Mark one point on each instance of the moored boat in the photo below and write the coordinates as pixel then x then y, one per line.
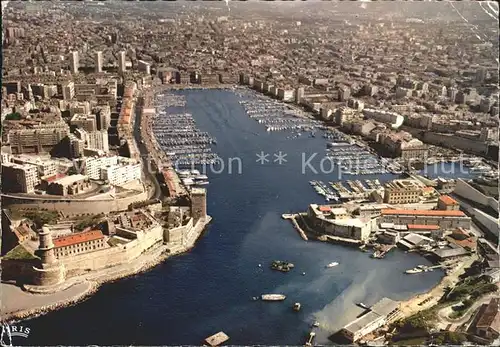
pixel 333 264
pixel 273 297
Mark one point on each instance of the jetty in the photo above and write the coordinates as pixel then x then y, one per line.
pixel 293 217
pixel 217 339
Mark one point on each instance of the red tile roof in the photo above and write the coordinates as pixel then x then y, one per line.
pixel 423 227
pixel 78 238
pixel 490 317
pixel 447 200
pixel 424 213
pixel 54 177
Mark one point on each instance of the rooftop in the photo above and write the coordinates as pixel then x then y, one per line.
pixel 67 180
pixel 78 238
pixel 436 213
pixel 491 316
pixel 447 200
pixel 385 306
pixel 422 227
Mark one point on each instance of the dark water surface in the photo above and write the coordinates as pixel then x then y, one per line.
pixel 209 289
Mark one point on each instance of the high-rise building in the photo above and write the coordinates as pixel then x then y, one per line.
pixel 45 167
pixel 121 62
pixel 18 178
pixel 98 140
pixel 74 62
pixel 85 122
pixel 76 146
pixel 144 66
pixel 103 117
pixel 68 90
pixel 299 95
pixel 79 107
pixel 481 75
pixel 452 93
pixel 98 62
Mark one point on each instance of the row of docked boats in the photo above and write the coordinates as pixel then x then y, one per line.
pixel 192 178
pixel 352 158
pixel 172 100
pixel 322 189
pixel 276 116
pixel 180 139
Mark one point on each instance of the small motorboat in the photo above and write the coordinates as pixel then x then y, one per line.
pixel 273 297
pixel 333 264
pixel 360 304
pixel 315 324
pixel 296 306
pixel 303 274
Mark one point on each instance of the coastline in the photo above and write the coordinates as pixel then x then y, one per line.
pixel 93 282
pixel 411 306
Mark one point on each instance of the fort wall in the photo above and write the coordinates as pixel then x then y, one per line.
pixel 75 207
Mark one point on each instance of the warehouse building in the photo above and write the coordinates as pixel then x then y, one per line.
pixel 444 219
pixel 383 312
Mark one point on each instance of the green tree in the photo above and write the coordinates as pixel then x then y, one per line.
pixel 13 116
pixel 467 303
pixel 454 338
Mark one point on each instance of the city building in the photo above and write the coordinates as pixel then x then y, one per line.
pixel 6 154
pixel 39 139
pixel 383 312
pixel 446 220
pixel 144 67
pixel 81 107
pixel 394 119
pixel 103 117
pixel 68 90
pixel 344 114
pixel 447 203
pixel 121 174
pixel 98 140
pixel 121 62
pixel 77 243
pixel 74 62
pixel 43 91
pixel 402 192
pixel 98 62
pixel 44 166
pixel 69 185
pixel 86 122
pixel 486 323
pixel 17 178
pixel 116 170
pixel 413 149
pixel 75 146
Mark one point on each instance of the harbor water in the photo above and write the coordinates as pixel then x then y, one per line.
pixel 210 289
